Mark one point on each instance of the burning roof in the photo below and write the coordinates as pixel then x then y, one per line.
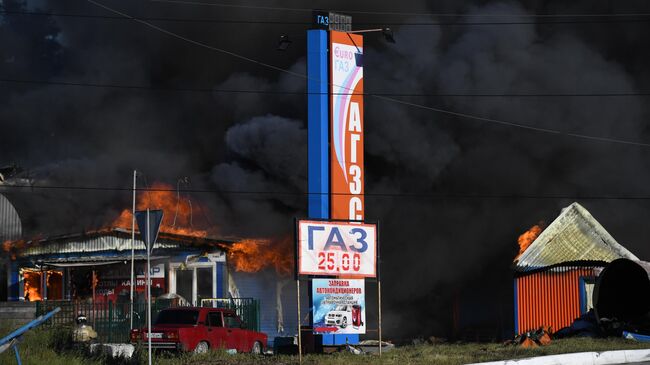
pixel 110 239
pixel 180 230
pixel 573 236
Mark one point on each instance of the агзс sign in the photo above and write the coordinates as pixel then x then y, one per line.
pixel 346 127
pixel 337 249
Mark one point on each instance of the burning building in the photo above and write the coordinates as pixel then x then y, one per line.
pixel 188 259
pixel 556 269
pixel 71 266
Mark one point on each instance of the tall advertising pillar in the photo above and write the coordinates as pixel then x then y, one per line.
pixel 335 135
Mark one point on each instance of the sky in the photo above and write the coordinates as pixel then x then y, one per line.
pixel 86 97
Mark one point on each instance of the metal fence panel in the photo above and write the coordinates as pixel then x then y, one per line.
pixel 111 320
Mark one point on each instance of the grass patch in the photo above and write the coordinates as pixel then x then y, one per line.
pixel 54 347
pixel 45 346
pixel 444 354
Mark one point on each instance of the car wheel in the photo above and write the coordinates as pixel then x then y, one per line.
pixel 201 348
pixel 257 348
pixel 344 322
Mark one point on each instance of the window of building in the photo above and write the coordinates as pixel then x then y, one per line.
pixel 193 282
pixel 183 283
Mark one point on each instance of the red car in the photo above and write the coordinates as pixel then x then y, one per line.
pixel 199 329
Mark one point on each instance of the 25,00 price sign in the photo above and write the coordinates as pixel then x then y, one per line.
pixel 337 249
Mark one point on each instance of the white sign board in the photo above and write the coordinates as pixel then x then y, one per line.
pixel 337 249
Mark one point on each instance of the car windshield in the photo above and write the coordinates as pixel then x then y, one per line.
pixel 178 317
pixel 341 308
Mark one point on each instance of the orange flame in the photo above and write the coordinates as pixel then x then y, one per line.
pixel 32 280
pixel 254 255
pixel 528 237
pixel 180 213
pixel 12 247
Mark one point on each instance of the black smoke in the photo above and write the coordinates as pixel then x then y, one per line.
pixel 451 194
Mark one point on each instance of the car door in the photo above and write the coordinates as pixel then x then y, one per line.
pixel 217 333
pixel 236 336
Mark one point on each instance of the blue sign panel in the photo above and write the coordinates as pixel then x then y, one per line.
pixel 149 235
pixel 317 124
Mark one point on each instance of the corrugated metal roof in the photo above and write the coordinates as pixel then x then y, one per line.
pixel 116 239
pixel 10 225
pixel 574 236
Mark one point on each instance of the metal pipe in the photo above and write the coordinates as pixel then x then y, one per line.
pixel 148 285
pixel 132 247
pixel 622 291
pixel 299 326
pixel 367 30
pixel 379 300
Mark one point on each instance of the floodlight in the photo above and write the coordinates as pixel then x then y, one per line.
pixel 284 43
pixel 388 35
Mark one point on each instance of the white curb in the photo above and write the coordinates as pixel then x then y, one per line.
pixel 580 358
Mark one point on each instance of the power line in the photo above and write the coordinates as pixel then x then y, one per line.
pixel 184 20
pixel 284 92
pixel 516 125
pixel 284 23
pixel 419 106
pixel 197 43
pixel 309 10
pixel 30 188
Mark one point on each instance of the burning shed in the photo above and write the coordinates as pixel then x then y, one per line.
pixel 556 269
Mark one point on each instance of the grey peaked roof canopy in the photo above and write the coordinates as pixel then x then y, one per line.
pixel 573 236
pixel 90 246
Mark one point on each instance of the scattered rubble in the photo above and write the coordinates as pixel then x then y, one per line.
pixel 532 339
pixel 369 347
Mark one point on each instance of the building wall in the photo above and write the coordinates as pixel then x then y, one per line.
pixel 277 299
pixel 10 229
pixel 550 298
